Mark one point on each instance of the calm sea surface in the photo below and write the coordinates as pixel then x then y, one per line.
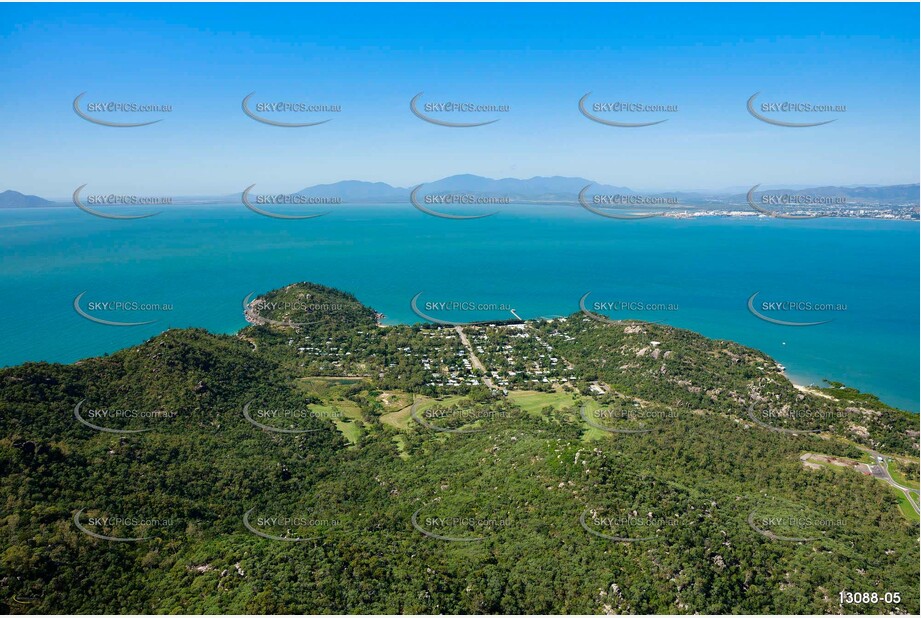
pixel 198 263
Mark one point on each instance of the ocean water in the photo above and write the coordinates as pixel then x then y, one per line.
pixel 539 260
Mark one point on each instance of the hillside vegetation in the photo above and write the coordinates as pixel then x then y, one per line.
pixel 320 463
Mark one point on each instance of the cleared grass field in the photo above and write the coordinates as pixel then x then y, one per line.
pixel 326 386
pixel 533 402
pixel 344 414
pixel 402 419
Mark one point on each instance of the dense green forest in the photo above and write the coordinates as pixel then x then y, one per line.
pixel 317 462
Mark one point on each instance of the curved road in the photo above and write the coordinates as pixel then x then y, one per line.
pixel 881 471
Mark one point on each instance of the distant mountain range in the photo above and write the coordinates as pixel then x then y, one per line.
pixel 548 189
pixel 537 189
pixel 15 199
pixel 894 194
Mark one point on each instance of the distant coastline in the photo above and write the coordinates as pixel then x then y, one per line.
pixel 467 192
pixel 688 213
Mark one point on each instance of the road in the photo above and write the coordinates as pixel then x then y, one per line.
pixel 881 471
pixel 473 358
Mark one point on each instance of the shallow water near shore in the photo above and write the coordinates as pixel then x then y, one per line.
pixel 201 261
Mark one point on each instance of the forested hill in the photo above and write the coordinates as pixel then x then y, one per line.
pixel 318 462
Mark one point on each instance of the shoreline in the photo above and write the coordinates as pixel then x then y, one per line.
pixel 817 393
pixel 683 215
pixel 251 318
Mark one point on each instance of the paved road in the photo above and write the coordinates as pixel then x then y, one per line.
pixel 881 471
pixel 473 358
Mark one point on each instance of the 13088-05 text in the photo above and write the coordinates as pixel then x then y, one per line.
pixel 860 598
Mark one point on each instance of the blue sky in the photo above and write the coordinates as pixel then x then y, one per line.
pixel 538 59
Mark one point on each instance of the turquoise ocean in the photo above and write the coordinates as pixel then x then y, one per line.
pixel 199 262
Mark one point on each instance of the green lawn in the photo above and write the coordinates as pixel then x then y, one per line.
pixel 907 509
pixel 344 414
pixel 592 433
pixel 402 419
pixel 533 402
pixel 898 477
pixel 324 387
